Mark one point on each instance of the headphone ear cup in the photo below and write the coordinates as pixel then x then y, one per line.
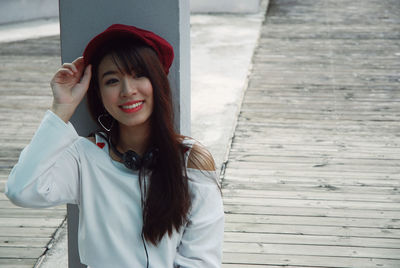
pixel 132 160
pixel 149 160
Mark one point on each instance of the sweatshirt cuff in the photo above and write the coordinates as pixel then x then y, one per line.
pixel 57 121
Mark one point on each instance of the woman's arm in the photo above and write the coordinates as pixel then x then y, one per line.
pixel 47 172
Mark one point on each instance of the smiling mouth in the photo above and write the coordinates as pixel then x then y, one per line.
pixel 132 107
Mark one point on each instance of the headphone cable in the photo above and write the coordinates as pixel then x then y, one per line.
pixel 145 249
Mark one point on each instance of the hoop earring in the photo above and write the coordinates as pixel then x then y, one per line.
pixel 103 116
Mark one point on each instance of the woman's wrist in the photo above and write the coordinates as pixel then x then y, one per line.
pixel 64 111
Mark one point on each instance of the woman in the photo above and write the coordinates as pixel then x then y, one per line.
pixel 147 196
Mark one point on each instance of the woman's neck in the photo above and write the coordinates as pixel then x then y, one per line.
pixel 134 138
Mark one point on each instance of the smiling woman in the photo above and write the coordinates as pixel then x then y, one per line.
pixel 126 96
pixel 147 196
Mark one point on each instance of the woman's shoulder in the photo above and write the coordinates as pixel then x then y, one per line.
pixel 198 156
pixel 91 138
pixel 201 171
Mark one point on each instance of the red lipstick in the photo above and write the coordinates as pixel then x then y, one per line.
pixel 132 106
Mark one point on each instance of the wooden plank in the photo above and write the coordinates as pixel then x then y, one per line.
pixel 318 139
pixel 313 151
pixel 315 186
pixel 301 239
pixel 312 250
pixel 313 212
pixel 228 265
pixel 256 128
pixel 309 159
pixel 311 195
pixel 313 221
pixel 17 262
pixel 31 222
pixel 312 230
pixel 311 172
pixel 32 213
pixel 306 261
pixel 304 166
pixel 314 180
pixel 28 231
pixel 361 205
pixel 23 242
pixel 6 204
pixel 24 253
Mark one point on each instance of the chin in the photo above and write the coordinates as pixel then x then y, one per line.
pixel 136 123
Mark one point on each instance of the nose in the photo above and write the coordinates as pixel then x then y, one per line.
pixel 129 86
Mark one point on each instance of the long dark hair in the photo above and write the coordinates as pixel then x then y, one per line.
pixel 167 201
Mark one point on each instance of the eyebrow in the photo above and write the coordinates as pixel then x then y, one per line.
pixel 108 73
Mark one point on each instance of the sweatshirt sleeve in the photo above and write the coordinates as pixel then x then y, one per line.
pixel 47 172
pixel 202 239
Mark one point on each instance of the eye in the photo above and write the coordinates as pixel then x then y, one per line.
pixel 137 74
pixel 111 81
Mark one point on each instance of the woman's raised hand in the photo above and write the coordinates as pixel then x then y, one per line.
pixel 69 86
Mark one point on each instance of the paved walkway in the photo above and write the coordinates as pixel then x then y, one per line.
pixel 313 174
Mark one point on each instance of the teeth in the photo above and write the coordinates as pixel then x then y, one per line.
pixel 132 105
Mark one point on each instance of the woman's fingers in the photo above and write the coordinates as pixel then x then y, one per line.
pixel 65 76
pixel 70 66
pixel 69 86
pixel 79 64
pixel 78 61
pixel 65 70
pixel 86 76
pixel 83 85
pixel 72 77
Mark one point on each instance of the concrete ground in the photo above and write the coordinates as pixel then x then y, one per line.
pixel 222 48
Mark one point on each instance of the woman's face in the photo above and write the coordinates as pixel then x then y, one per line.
pixel 127 97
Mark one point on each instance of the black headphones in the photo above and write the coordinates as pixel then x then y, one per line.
pixel 133 160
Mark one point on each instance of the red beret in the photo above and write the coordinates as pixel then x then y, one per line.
pixel 163 49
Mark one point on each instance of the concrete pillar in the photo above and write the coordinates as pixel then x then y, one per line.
pixel 81 20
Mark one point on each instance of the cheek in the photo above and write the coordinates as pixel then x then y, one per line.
pixel 149 90
pixel 108 93
pixel 103 96
pixel 150 96
pixel 106 98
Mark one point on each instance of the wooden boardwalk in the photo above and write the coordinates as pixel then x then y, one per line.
pixel 313 175
pixel 25 71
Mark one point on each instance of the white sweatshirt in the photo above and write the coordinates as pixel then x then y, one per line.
pixel 60 167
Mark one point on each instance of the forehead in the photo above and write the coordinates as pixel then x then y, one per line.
pixel 107 63
pixel 124 63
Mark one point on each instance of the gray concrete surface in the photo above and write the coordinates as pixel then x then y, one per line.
pixel 225 6
pixel 29 29
pixel 12 11
pixel 221 52
pixel 16 11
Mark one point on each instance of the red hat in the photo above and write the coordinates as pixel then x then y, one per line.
pixel 163 49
